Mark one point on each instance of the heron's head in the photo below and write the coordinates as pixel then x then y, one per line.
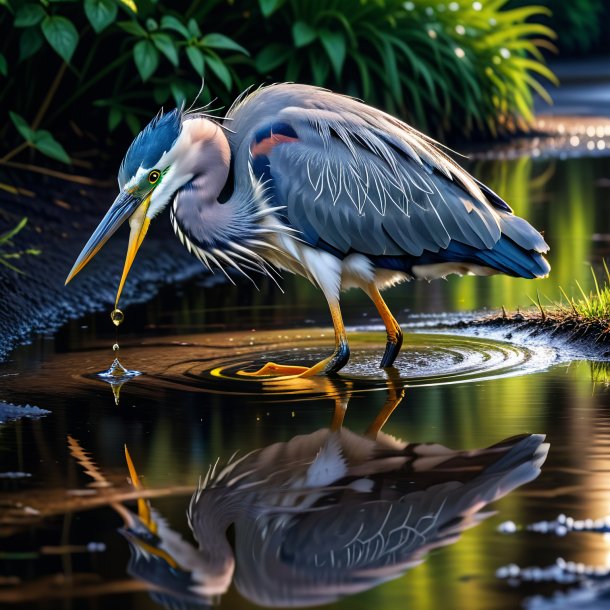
pixel 154 168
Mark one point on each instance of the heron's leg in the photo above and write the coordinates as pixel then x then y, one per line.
pixel 394 333
pixel 396 392
pixel 336 361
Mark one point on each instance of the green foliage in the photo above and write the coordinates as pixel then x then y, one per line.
pixel 6 242
pixel 454 66
pixel 595 306
pixel 578 23
pixel 40 139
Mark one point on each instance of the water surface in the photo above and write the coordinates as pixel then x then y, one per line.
pixel 190 407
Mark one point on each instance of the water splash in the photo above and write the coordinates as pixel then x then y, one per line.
pixel 117 375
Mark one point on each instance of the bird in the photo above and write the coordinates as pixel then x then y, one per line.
pixel 300 179
pixel 319 516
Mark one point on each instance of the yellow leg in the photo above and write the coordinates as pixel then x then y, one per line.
pixel 336 361
pixel 396 392
pixel 394 333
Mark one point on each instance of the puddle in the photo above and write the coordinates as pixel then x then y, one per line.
pixel 75 532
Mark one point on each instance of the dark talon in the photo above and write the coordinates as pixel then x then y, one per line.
pixel 339 358
pixel 391 350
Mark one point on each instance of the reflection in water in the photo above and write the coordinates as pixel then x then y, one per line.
pixel 321 516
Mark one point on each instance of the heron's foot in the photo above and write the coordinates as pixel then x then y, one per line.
pixel 327 366
pixel 392 348
pixel 271 369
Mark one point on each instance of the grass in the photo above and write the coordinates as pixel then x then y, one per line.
pixel 6 242
pixel 592 307
pixel 584 318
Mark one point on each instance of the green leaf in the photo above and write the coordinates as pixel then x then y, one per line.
pixel 133 123
pixel 168 22
pixel 133 28
pixel 114 118
pixel 220 70
pixel 271 57
pixel 61 35
pixel 22 127
pixel 151 25
pixel 334 45
pixel 220 41
pixel 29 43
pixel 303 34
pixel 6 237
pixel 101 13
pixel 3 65
pixel 178 93
pixel 167 46
pixel 29 15
pixel 194 28
pixel 48 145
pixel 268 6
pixel 146 57
pixel 196 58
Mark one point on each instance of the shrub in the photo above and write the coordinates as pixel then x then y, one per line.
pixel 449 67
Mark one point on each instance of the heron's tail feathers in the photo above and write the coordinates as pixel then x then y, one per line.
pixel 512 259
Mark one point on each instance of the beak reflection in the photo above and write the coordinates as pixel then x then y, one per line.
pixel 125 206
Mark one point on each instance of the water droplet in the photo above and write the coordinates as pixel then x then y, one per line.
pixel 117 317
pixel 115 347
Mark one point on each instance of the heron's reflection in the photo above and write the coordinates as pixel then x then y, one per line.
pixel 322 515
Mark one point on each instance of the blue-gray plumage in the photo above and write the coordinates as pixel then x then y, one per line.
pixel 324 186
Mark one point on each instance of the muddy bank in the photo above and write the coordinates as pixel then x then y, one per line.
pixel 577 338
pixel 61 217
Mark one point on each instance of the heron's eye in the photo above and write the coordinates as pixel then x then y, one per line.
pixel 154 176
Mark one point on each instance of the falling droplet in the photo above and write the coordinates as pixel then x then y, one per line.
pixel 117 317
pixel 115 347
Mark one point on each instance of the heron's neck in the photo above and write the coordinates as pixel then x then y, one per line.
pixel 200 217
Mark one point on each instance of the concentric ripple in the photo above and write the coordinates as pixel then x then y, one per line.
pixel 425 359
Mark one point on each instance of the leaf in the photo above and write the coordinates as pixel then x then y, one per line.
pixel 194 28
pixel 29 43
pixel 220 70
pixel 61 35
pixel 130 4
pixel 133 27
pixel 220 41
pixel 196 58
pixel 114 118
pixel 22 127
pixel 6 237
pixel 101 13
pixel 268 6
pixel 303 34
pixel 146 58
pixel 167 46
pixel 48 145
pixel 271 57
pixel 133 123
pixel 334 45
pixel 151 25
pixel 168 22
pixel 28 15
pixel 178 93
pixel 3 65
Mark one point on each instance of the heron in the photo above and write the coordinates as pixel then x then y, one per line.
pixel 320 516
pixel 301 179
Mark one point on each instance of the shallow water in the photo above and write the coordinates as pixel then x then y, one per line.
pixel 190 406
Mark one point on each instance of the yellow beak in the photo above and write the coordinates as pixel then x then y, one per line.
pixel 139 224
pixel 125 206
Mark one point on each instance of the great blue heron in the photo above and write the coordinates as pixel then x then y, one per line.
pixel 322 185
pixel 320 516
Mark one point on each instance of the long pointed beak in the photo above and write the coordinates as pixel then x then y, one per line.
pixel 125 206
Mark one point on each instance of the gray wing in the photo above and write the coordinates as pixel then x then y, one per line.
pixel 360 180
